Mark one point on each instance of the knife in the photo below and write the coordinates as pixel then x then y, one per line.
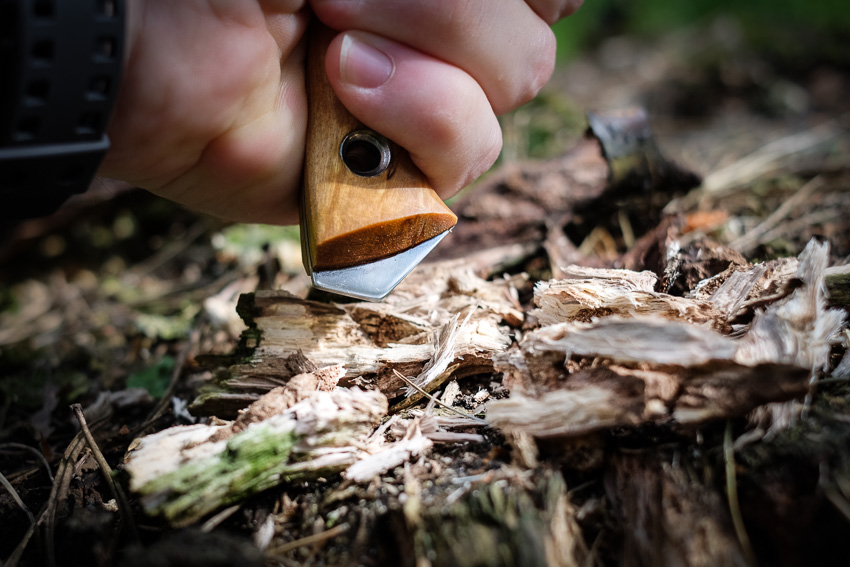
pixel 368 215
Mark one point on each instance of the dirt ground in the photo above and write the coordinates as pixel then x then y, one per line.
pixel 126 304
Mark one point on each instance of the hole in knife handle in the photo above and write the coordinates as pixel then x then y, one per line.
pixel 365 153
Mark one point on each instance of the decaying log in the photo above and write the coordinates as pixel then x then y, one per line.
pixel 608 342
pixel 578 377
pixel 689 333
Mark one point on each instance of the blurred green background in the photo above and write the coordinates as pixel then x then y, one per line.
pixel 824 24
pixel 771 48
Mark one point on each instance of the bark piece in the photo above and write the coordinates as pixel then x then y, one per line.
pixel 563 413
pixel 615 396
pixel 185 472
pixel 652 340
pixel 633 157
pixel 730 297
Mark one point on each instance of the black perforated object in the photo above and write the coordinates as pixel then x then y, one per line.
pixel 60 68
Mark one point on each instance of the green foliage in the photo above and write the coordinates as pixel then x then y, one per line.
pixel 548 125
pixel 166 327
pixel 599 19
pixel 154 378
pixel 245 242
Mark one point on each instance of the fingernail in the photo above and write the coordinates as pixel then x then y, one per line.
pixel 363 65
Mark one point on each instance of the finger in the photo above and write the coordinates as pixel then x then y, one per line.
pixel 286 21
pixel 550 11
pixel 281 6
pixel 506 47
pixel 252 172
pixel 448 127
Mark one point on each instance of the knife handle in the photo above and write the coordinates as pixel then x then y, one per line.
pixel 364 199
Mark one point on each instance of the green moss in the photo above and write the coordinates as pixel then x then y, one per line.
pixel 255 460
pixel 154 378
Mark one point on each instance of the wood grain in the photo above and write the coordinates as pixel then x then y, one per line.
pixel 353 220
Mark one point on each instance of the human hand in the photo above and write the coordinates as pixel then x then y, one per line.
pixel 212 111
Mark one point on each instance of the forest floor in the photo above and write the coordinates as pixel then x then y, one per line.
pixel 127 305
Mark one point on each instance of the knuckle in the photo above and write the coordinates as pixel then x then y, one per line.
pixel 534 68
pixel 541 65
pixel 455 114
pixel 463 151
pixel 444 128
pixel 458 19
pixel 487 153
pixel 492 149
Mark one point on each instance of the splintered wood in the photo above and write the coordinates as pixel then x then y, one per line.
pixel 604 350
pixel 643 356
pixel 308 415
pixel 442 322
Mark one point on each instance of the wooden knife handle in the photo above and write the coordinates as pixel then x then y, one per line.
pixel 364 199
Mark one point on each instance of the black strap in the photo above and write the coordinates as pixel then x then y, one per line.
pixel 60 63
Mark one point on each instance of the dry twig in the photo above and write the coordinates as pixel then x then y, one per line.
pixel 434 399
pixel 732 496
pixel 106 470
pixel 755 236
pixel 16 497
pixel 309 540
pixel 38 454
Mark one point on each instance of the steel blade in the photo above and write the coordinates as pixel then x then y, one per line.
pixel 375 280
